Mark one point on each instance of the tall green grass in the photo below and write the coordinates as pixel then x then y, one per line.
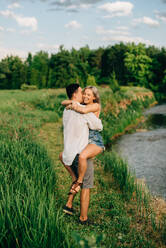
pixel 28 194
pixel 113 164
pixel 115 121
pixel 29 215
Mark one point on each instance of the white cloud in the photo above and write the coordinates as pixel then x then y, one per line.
pixel 72 7
pixel 73 24
pixel 7 29
pixel 85 6
pixel 75 7
pixel 26 32
pixel 47 47
pixel 29 22
pixel 161 16
pixel 101 30
pixel 119 36
pixel 127 39
pixel 4 52
pixel 11 30
pixel 1 28
pixel 14 6
pixel 146 20
pixel 7 13
pixel 123 28
pixel 117 9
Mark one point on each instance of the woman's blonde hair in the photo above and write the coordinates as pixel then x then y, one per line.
pixel 95 93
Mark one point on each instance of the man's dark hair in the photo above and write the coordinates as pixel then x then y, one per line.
pixel 70 89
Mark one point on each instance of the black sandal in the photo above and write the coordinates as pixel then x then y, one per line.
pixel 87 222
pixel 67 210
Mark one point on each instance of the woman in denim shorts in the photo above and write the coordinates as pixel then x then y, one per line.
pixel 91 101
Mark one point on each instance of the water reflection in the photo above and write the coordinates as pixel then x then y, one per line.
pixel 146 151
pixel 156 121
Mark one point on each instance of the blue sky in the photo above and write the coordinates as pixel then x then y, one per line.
pixel 34 25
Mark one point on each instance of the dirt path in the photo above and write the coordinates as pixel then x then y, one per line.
pixel 51 134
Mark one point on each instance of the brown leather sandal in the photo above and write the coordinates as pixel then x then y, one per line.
pixel 72 186
pixel 75 188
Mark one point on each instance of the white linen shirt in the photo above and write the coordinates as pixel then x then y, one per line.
pixel 76 132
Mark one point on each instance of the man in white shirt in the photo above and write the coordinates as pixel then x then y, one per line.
pixel 76 133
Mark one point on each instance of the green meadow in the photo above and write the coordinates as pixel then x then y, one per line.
pixel 34 184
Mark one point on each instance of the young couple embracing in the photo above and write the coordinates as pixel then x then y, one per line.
pixel 82 142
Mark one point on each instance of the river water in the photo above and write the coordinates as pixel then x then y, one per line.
pixel 145 150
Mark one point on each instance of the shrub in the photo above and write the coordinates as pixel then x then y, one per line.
pixel 50 103
pixel 28 87
pixel 114 83
pixel 91 81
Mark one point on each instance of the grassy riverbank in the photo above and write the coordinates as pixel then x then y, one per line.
pixel 35 185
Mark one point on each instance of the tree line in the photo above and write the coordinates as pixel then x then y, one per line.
pixel 116 65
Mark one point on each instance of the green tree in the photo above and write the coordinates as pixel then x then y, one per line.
pixel 39 69
pixel 114 82
pixel 157 84
pixel 138 65
pixel 5 74
pixel 28 64
pixel 63 70
pixel 34 79
pixel 18 73
pixel 82 64
pixel 12 73
pixel 113 60
pixel 162 89
pixel 91 81
pixel 94 61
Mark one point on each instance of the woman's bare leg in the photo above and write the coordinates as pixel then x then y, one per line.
pixel 90 151
pixel 68 168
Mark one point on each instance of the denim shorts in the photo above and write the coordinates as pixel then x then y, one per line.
pixel 89 174
pixel 95 138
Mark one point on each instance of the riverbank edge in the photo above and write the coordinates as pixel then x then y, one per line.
pixel 132 126
pixel 156 203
